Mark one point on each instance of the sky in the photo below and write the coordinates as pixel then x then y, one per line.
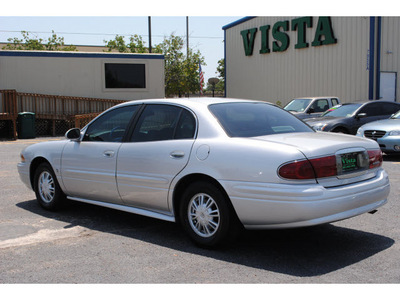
pixel 205 33
pixel 89 22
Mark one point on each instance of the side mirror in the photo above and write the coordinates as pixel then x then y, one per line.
pixel 311 110
pixel 362 115
pixel 73 134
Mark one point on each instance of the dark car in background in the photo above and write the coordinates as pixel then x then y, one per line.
pixel 350 116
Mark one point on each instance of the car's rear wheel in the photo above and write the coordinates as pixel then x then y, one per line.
pixel 206 215
pixel 48 191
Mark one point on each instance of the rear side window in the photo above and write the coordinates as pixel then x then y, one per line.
pixel 256 119
pixel 334 101
pixel 390 108
pixel 164 122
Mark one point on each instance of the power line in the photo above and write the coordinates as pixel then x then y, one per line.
pixel 102 34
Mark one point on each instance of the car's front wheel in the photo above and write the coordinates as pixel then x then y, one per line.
pixel 48 191
pixel 206 215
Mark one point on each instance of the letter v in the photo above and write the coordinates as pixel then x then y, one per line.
pixel 248 42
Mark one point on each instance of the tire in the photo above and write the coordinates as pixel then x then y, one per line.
pixel 206 215
pixel 340 130
pixel 48 192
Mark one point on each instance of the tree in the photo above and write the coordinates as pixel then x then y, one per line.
pixel 136 44
pixel 181 72
pixel 54 43
pixel 221 68
pixel 220 86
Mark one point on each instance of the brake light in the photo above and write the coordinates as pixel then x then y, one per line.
pixel 297 170
pixel 375 158
pixel 324 166
pixel 309 169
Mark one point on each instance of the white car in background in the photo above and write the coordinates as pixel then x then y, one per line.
pixel 214 165
pixel 311 107
pixel 385 132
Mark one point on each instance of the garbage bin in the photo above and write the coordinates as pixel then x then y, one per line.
pixel 26 125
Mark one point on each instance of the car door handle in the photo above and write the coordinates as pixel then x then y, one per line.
pixel 177 154
pixel 108 153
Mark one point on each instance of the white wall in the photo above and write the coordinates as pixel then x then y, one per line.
pixel 76 74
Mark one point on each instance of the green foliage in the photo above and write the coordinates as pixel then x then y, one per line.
pixel 181 72
pixel 53 43
pixel 221 68
pixel 135 45
pixel 220 86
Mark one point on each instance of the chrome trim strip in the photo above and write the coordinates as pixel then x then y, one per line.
pixel 129 209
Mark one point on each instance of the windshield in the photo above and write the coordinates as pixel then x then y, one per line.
pixel 346 110
pixel 298 105
pixel 396 115
pixel 255 119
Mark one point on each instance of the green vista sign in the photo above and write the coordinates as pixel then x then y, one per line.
pixel 323 35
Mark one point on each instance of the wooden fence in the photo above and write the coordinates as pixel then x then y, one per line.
pixel 78 110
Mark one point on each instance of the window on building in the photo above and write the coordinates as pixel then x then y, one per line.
pixel 125 76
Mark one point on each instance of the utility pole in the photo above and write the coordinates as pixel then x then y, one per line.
pixel 149 34
pixel 187 37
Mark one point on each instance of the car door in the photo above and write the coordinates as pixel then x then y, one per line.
pixel 88 166
pixel 158 150
pixel 317 108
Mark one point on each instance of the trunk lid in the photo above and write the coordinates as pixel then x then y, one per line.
pixel 344 147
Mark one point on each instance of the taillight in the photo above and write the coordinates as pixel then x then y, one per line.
pixel 326 166
pixel 310 169
pixel 375 158
pixel 297 170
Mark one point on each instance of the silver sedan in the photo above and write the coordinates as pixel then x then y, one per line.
pixel 214 165
pixel 385 132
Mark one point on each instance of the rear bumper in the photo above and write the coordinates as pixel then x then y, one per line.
pixel 263 206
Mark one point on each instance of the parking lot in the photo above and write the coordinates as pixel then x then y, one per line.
pixel 90 244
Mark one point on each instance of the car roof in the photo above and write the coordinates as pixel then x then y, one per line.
pixel 314 97
pixel 191 102
pixel 370 101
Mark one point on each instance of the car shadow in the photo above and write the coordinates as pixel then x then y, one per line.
pixel 303 252
pixel 391 157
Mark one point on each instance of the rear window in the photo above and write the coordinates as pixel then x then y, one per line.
pixel 256 119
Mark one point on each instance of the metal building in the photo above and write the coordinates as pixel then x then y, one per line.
pixel 281 58
pixel 124 76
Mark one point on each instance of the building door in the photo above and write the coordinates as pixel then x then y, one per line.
pixel 388 86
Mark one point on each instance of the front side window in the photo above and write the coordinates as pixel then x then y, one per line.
pixel 346 110
pixel 372 109
pixel 125 76
pixel 164 122
pixel 255 119
pixel 111 126
pixel 320 106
